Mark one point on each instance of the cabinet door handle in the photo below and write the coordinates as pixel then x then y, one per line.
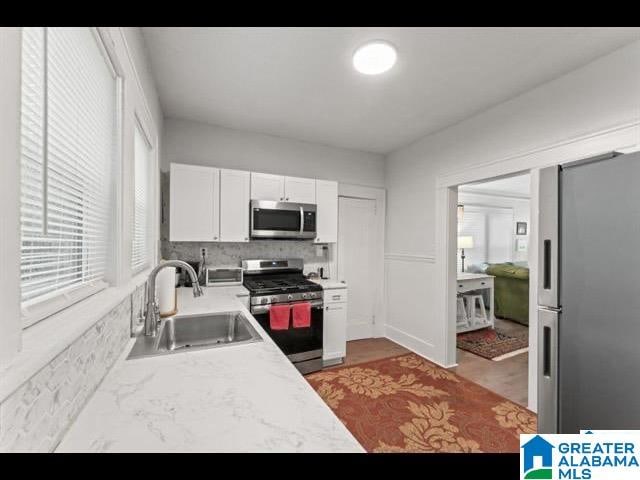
pixel 336 297
pixel 287 199
pixel 281 198
pixel 481 283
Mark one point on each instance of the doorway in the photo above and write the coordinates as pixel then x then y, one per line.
pixel 357 255
pixel 492 288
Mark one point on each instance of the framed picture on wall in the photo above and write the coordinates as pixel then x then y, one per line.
pixel 521 228
pixel 521 244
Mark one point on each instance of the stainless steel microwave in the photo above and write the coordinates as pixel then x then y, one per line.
pixel 285 220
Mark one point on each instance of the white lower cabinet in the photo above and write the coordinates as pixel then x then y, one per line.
pixel 334 347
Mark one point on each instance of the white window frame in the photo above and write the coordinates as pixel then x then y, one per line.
pixel 31 349
pixel 49 304
pixel 139 124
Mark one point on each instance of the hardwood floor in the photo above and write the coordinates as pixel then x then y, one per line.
pixel 368 349
pixel 507 377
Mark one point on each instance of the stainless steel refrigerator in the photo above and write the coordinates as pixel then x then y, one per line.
pixel 589 295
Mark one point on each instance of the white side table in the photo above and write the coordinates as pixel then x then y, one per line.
pixel 468 282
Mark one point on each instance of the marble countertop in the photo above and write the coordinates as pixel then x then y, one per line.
pixel 329 284
pixel 241 398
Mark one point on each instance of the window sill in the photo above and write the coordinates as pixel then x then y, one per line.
pixel 45 340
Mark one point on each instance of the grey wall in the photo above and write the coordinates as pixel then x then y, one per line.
pixel 603 94
pixel 202 144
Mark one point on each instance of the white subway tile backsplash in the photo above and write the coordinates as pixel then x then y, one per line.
pixel 38 413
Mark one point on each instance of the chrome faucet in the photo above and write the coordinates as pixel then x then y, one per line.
pixel 152 315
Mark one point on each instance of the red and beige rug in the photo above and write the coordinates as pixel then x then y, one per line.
pixel 495 344
pixel 408 404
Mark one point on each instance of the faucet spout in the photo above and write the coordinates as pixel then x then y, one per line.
pixel 152 316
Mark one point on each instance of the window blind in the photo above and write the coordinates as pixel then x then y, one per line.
pixel 491 229
pixel 474 224
pixel 141 232
pixel 68 133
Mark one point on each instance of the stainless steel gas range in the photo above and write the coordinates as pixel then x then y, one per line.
pixel 281 282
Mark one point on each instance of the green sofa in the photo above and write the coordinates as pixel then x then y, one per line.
pixel 511 291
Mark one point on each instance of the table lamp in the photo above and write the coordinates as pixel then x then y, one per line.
pixel 464 242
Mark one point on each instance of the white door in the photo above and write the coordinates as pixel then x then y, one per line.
pixel 194 208
pixel 357 238
pixel 265 186
pixel 299 190
pixel 326 211
pixel 234 205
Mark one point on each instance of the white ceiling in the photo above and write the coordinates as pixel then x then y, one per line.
pixel 516 186
pixel 299 82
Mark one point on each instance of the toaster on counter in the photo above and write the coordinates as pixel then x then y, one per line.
pixel 223 276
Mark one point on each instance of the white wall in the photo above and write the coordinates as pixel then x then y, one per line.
pixel 203 144
pixel 521 213
pixel 139 56
pixel 601 95
pixel 10 325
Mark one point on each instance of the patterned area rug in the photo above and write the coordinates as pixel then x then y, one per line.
pixel 408 404
pixel 495 344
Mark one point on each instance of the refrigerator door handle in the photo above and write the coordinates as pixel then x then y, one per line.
pixel 547 371
pixel 548 195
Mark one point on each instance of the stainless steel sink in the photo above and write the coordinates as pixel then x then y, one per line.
pixel 188 332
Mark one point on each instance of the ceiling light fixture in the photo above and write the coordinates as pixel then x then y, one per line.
pixel 375 57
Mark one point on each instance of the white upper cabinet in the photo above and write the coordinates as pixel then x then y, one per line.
pixel 299 190
pixel 234 205
pixel 327 211
pixel 265 186
pixel 194 203
pixel 209 204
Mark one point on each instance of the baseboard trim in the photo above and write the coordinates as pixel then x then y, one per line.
pixel 410 342
pixel 405 257
pixel 510 354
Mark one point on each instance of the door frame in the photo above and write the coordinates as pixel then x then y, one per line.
pixel 379 196
pixel 623 138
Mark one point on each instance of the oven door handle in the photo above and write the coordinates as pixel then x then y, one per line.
pixel 259 309
pixel 301 220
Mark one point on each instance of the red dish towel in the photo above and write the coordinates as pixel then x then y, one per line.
pixel 301 314
pixel 279 317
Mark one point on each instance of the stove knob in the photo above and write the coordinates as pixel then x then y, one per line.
pixel 304 295
pixel 264 300
pixel 290 297
pixel 274 299
pixel 312 295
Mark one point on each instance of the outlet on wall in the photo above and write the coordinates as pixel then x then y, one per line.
pixel 203 252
